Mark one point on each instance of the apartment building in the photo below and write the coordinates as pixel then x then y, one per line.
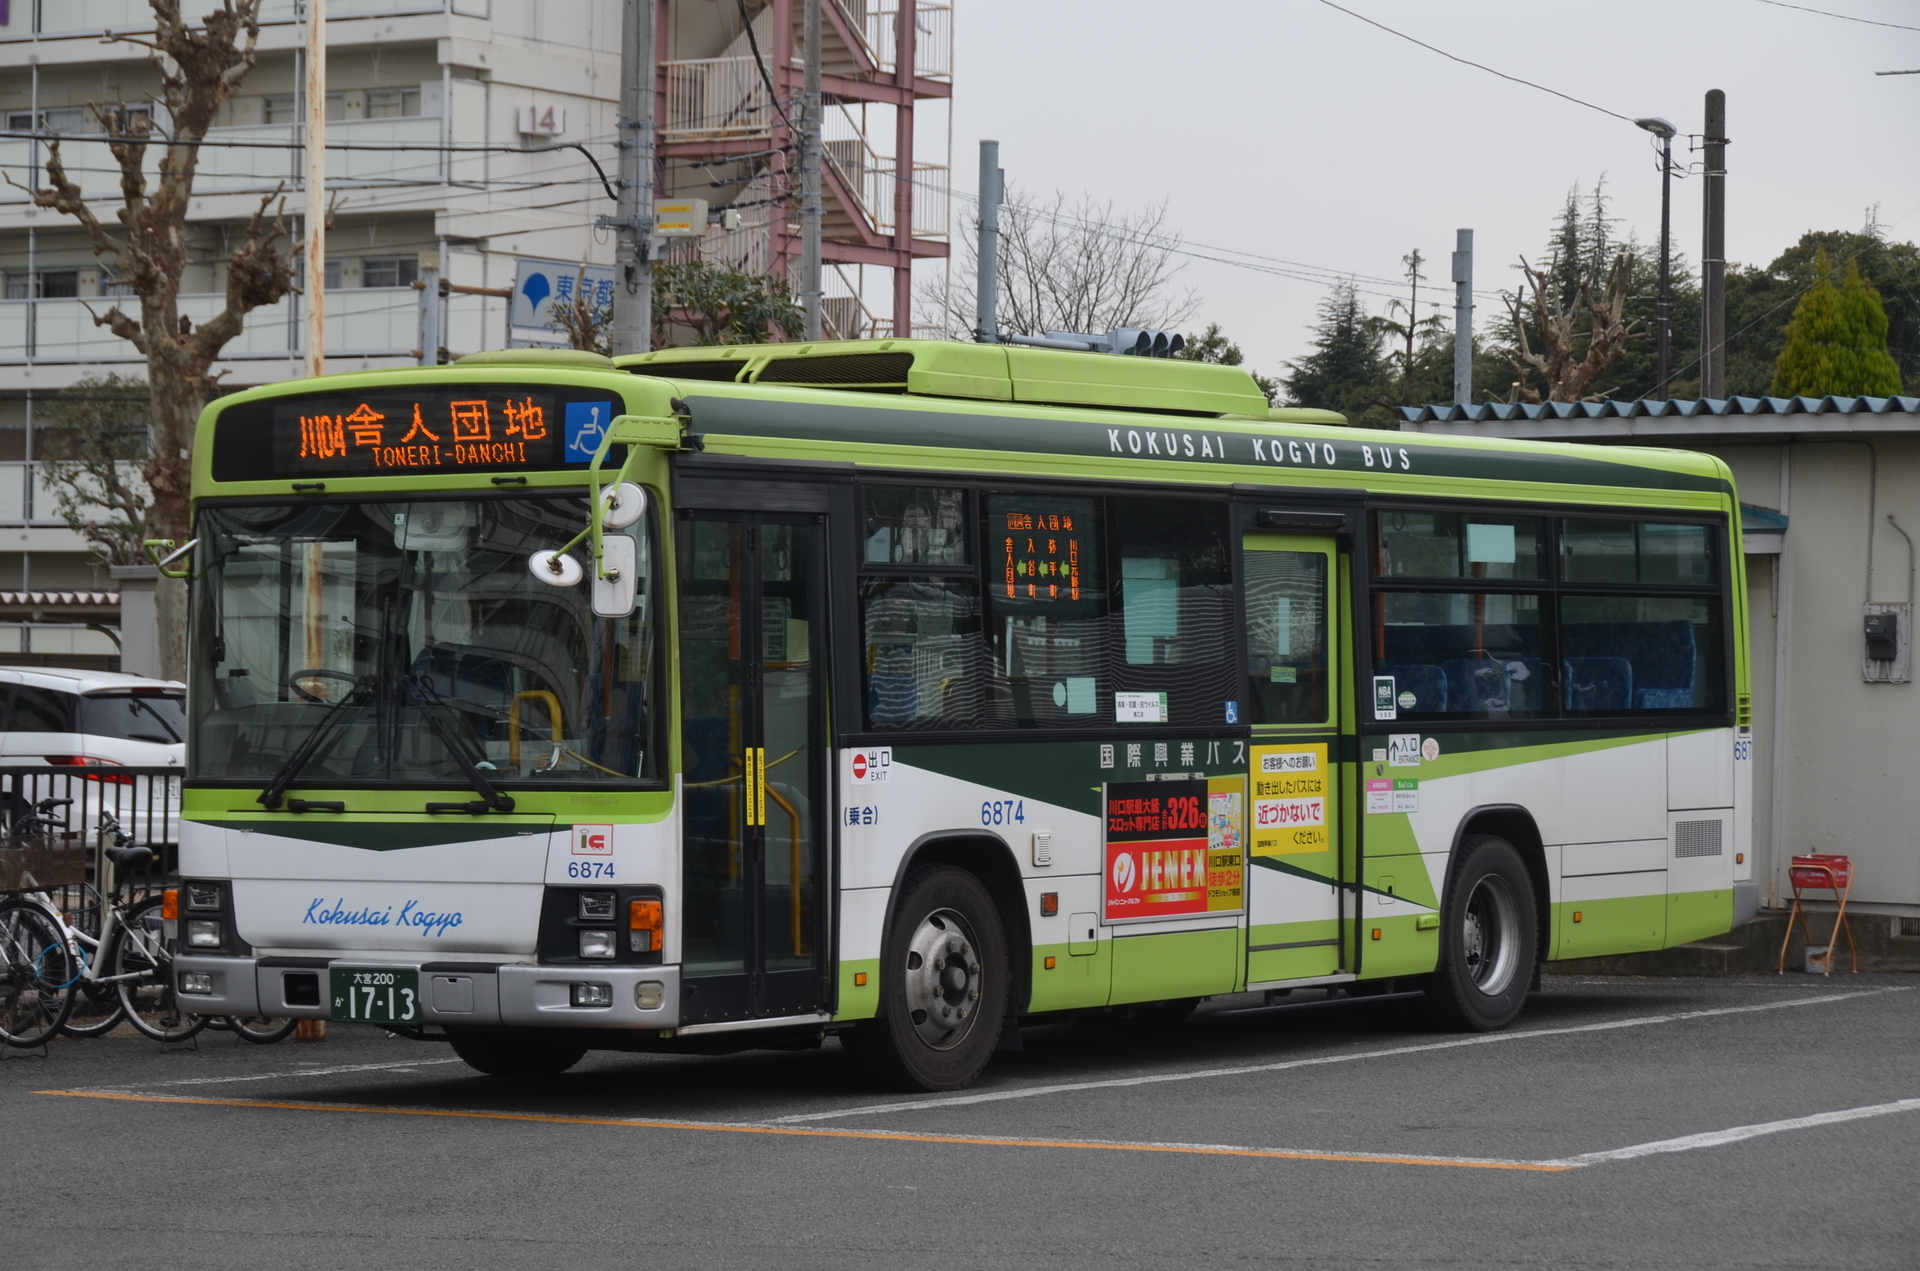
pixel 450 131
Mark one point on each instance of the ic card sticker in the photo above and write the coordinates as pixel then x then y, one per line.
pixel 1289 800
pixel 593 840
pixel 1406 795
pixel 1379 796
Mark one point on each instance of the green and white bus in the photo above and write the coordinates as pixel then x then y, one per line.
pixel 910 691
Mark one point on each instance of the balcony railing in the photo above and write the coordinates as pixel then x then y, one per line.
pixel 715 98
pixel 361 322
pixel 266 155
pixel 90 17
pixel 933 36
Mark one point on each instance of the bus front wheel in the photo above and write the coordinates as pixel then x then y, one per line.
pixel 515 1055
pixel 1488 939
pixel 943 985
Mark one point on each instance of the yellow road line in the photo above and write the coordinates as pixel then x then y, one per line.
pixel 1186 1149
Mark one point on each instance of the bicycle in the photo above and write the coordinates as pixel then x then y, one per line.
pixel 132 950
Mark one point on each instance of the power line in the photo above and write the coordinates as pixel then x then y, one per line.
pixel 1844 17
pixel 1476 65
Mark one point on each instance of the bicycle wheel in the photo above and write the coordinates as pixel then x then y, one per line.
pixel 142 952
pixel 262 1030
pixel 96 1008
pixel 37 972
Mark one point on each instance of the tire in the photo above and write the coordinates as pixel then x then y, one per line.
pixel 516 1056
pixel 262 1030
pixel 141 949
pixel 1489 939
pixel 943 985
pixel 103 996
pixel 38 969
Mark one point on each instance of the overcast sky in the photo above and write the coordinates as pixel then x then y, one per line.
pixel 1289 129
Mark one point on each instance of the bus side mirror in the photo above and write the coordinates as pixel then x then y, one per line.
pixel 617 589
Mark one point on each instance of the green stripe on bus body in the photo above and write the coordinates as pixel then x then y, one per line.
pixel 1195 445
pixel 1177 964
pixel 1075 981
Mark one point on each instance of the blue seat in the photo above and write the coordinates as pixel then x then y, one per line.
pixel 892 698
pixel 1428 684
pixel 1597 683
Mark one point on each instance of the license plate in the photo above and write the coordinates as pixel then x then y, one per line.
pixel 375 995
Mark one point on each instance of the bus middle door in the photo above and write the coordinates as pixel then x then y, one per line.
pixel 1294 638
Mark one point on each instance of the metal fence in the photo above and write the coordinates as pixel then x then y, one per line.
pixel 143 802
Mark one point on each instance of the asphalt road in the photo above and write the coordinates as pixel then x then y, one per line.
pixel 1621 1122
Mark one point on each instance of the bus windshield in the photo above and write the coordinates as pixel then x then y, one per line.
pixel 411 634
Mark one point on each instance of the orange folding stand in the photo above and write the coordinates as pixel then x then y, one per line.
pixel 1821 872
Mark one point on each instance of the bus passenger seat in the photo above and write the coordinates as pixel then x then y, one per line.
pixel 1475 684
pixel 1428 684
pixel 1598 684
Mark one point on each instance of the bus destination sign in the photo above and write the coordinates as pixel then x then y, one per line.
pixel 463 428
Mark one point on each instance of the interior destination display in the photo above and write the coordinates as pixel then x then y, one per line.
pixel 1041 553
pixel 459 428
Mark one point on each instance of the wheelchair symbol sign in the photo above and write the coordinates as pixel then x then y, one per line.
pixel 586 429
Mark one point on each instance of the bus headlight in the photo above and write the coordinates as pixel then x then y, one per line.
pixel 196 982
pixel 203 934
pixel 592 995
pixel 597 944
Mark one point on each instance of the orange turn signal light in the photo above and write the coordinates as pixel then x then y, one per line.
pixel 1049 904
pixel 1051 962
pixel 643 915
pixel 1577 915
pixel 1376 933
pixel 859 979
pixel 170 903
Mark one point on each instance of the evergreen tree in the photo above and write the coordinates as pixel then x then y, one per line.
pixel 1760 301
pixel 1836 341
pixel 1345 369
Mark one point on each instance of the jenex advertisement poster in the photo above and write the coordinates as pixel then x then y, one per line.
pixel 1290 799
pixel 1175 848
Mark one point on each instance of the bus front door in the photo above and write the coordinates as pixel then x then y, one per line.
pixel 1294 639
pixel 751 643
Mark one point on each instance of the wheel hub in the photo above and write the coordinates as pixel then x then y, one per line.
pixel 942 979
pixel 1490 936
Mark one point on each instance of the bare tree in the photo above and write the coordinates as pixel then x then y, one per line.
pixel 1070 267
pixel 587 326
pixel 1567 377
pixel 97 441
pixel 199 68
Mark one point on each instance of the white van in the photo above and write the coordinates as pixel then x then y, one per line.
pixel 88 723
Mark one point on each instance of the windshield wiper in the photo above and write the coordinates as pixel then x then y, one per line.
pixel 477 779
pixel 337 714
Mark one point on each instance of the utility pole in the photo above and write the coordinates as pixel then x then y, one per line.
pixel 1664 131
pixel 993 184
pixel 810 176
pixel 1713 254
pixel 1463 317
pixel 633 249
pixel 316 226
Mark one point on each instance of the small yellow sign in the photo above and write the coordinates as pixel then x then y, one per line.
pixel 1290 797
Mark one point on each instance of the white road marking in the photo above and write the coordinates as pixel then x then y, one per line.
pixel 1720 1138
pixel 270 1076
pixel 1484 1039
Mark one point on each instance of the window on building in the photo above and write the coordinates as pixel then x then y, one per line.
pixel 388 271
pixel 47 284
pixel 392 103
pixel 285 108
pixel 58 120
pixel 330 275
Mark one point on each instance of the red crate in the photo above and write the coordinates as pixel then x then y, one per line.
pixel 1821 871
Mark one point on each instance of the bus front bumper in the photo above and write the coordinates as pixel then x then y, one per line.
pixel 455 993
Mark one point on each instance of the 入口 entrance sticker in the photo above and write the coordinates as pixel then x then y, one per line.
pixel 1289 800
pixel 1403 750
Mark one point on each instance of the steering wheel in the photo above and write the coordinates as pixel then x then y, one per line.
pixel 317 673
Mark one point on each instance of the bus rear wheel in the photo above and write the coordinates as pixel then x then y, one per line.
pixel 943 985
pixel 516 1056
pixel 1489 939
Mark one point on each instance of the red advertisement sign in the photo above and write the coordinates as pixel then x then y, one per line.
pixel 1157 858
